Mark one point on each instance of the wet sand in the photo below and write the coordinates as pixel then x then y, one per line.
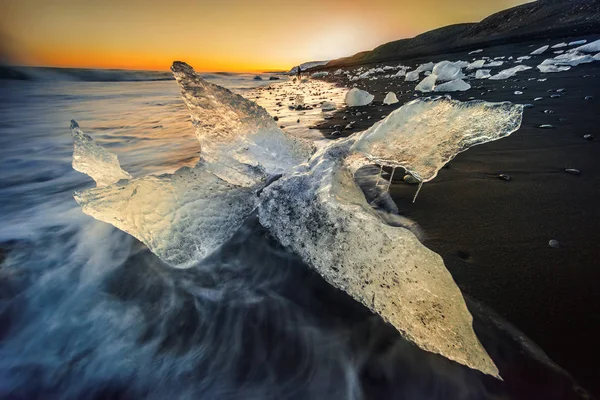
pixel 494 234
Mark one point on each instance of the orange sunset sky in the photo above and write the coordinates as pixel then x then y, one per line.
pixel 224 35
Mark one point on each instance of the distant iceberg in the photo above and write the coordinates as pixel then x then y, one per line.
pixel 309 201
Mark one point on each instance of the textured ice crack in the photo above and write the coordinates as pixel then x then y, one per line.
pixel 315 207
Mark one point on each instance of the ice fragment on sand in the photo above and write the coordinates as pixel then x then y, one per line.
pixel 427 133
pixel 593 47
pixel 321 74
pixel 356 97
pixel 548 68
pixel 476 51
pixel 559 45
pixel 508 73
pixel 390 98
pixel 540 50
pixel 483 73
pixel 475 65
pixel 427 84
pixel 448 71
pixel 412 76
pixel 494 64
pixel 577 42
pixel 328 106
pixel 425 67
pixel 93 160
pixel 457 85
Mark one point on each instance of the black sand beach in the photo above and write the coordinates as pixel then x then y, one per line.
pixel 494 234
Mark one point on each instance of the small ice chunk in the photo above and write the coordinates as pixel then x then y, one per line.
pixel 559 45
pixel 549 68
pixel 457 85
pixel 475 65
pixel 427 84
pixel 518 93
pixel 338 72
pixel 593 47
pixel 399 74
pixel 540 50
pixel 356 98
pixel 321 74
pixel 508 73
pixel 426 67
pixel 476 51
pixel 558 52
pixel 328 106
pixel 412 76
pixel 483 73
pixel 577 42
pixel 448 71
pixel 93 160
pixel 494 64
pixel 523 58
pixel 390 98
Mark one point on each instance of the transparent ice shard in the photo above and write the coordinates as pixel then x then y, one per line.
pixel 412 76
pixel 540 50
pixel 92 159
pixel 475 65
pixel 510 72
pixel 592 47
pixel 427 84
pixel 239 140
pixel 483 73
pixel 457 85
pixel 423 135
pixel 182 217
pixel 448 71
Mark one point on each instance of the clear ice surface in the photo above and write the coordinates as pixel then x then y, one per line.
pixel 311 203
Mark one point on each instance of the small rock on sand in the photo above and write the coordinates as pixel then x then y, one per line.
pixel 554 244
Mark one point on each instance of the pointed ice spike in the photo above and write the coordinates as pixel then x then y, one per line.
pixel 418 190
pixel 391 179
pixel 241 142
pixel 94 160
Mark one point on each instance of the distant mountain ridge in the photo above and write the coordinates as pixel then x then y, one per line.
pixel 542 19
